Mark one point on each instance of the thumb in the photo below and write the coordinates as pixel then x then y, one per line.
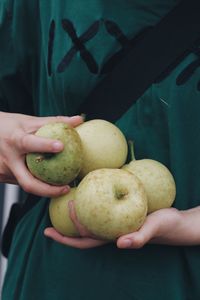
pixel 74 219
pixel 81 229
pixel 139 238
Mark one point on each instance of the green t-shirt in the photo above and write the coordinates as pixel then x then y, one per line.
pixel 52 53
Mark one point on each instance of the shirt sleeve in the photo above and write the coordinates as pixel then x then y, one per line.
pixel 15 94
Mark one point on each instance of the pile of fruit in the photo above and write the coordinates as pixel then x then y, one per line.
pixel 111 198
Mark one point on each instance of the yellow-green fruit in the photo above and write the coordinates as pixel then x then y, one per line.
pixel 104 146
pixel 158 182
pixel 111 203
pixel 59 214
pixel 57 168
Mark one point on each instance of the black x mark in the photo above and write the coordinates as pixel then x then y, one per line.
pixel 79 46
pixel 126 43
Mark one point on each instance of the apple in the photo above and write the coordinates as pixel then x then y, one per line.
pixel 59 214
pixel 158 181
pixel 57 168
pixel 104 146
pixel 110 203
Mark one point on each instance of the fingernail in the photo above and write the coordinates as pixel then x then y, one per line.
pixel 70 205
pixel 46 232
pixel 125 243
pixel 75 118
pixel 57 146
pixel 66 189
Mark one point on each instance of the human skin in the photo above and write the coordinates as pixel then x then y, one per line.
pixel 17 139
pixel 166 226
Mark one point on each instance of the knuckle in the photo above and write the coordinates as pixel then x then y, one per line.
pixel 13 139
pixel 140 242
pixel 23 142
pixel 10 141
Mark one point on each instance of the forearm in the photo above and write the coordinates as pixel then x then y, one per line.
pixel 190 227
pixel 184 229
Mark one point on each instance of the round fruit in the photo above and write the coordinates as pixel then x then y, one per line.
pixel 57 168
pixel 104 146
pixel 59 214
pixel 157 180
pixel 111 203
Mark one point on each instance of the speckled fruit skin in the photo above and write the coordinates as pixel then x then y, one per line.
pixel 59 214
pixel 158 182
pixel 111 203
pixel 60 168
pixel 104 145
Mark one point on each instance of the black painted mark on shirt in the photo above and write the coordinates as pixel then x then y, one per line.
pixel 50 46
pixel 79 46
pixel 187 73
pixel 112 29
pixel 171 67
pixel 126 43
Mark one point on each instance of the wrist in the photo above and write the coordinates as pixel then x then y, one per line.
pixel 178 227
pixel 189 226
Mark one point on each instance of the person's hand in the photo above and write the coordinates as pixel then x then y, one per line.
pixel 167 226
pixel 164 226
pixel 159 227
pixel 86 239
pixel 16 139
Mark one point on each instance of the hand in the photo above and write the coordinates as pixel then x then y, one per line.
pixel 164 226
pixel 16 139
pixel 167 226
pixel 86 239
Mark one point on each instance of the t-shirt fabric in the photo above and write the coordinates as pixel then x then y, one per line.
pixel 52 54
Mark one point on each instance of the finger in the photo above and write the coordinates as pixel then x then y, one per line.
pixel 139 238
pixel 81 229
pixel 32 143
pixel 81 243
pixel 40 121
pixel 34 186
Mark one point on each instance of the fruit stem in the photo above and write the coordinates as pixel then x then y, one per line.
pixel 131 148
pixel 120 194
